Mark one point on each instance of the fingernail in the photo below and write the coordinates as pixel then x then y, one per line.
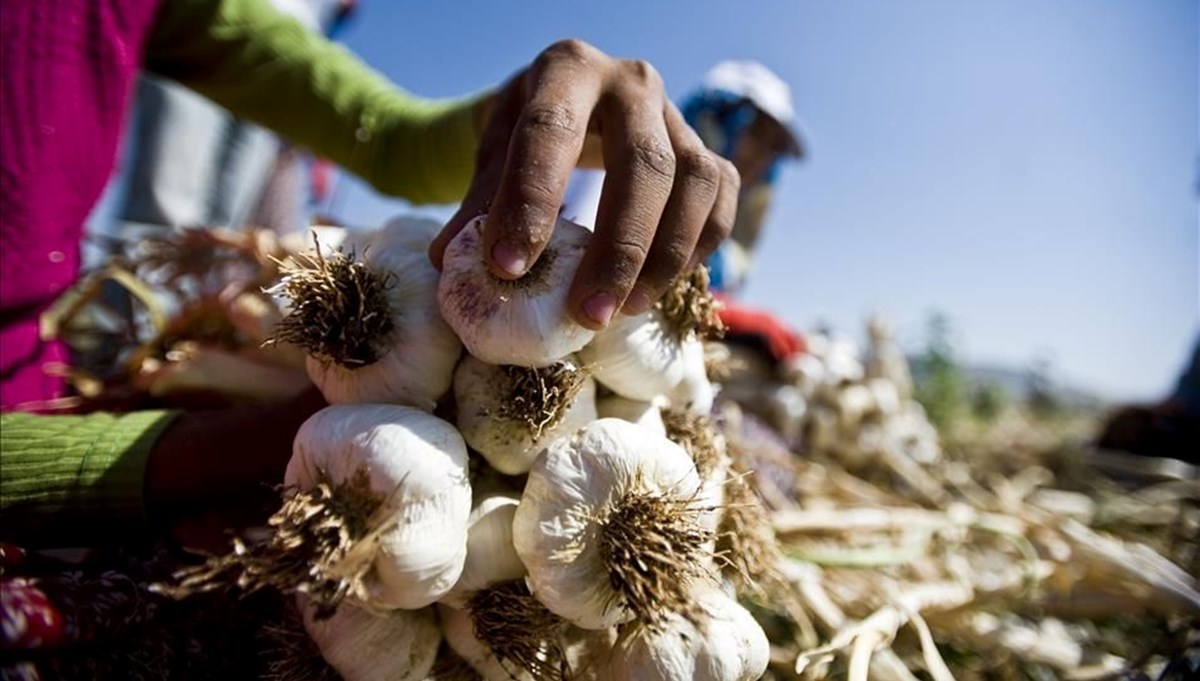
pixel 508 259
pixel 637 303
pixel 600 307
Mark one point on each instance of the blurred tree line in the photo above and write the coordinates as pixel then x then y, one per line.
pixel 947 393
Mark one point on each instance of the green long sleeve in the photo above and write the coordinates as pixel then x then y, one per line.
pixel 74 478
pixel 267 68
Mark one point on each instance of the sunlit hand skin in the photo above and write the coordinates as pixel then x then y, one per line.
pixel 667 201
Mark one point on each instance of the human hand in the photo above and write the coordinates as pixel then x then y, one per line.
pixel 667 201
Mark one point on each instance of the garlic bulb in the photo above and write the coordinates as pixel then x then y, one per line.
pixel 503 631
pixel 510 414
pixel 721 643
pixel 695 392
pixel 459 631
pixel 853 403
pixel 361 645
pixel 372 328
pixel 645 414
pixel 524 322
pixel 491 557
pixel 596 512
pixel 638 357
pixel 647 355
pixel 885 396
pixel 807 372
pixel 406 471
pixel 588 652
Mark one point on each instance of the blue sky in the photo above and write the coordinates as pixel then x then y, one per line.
pixel 1028 166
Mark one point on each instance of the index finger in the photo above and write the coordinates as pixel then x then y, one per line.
pixel 544 148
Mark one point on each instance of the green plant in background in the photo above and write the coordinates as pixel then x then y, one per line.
pixel 988 400
pixel 1040 394
pixel 941 389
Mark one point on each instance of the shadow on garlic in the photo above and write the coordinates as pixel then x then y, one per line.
pixel 523 322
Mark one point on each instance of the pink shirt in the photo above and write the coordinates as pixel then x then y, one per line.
pixel 68 67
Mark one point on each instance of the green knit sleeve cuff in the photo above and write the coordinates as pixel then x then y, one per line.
pixel 71 479
pixel 428 152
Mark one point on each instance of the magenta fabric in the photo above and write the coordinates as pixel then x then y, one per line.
pixel 68 67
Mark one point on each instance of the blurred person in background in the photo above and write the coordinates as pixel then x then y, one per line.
pixel 744 112
pixel 191 162
pixel 1169 429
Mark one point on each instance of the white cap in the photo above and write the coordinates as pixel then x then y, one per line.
pixel 761 86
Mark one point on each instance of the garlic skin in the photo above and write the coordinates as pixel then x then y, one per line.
pixel 419 365
pixel 459 630
pixel 417 466
pixel 646 414
pixel 491 557
pixel 695 392
pixel 365 646
pixel 587 653
pixel 728 645
pixel 509 445
pixel 637 356
pixel 525 322
pixel 574 485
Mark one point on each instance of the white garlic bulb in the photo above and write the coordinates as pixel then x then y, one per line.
pixel 372 329
pixel 361 645
pixel 885 396
pixel 596 509
pixel 414 467
pixel 638 357
pixel 524 322
pixel 491 557
pixel 723 644
pixel 694 392
pixel 459 630
pixel 510 414
pixel 853 403
pixel 588 652
pixel 807 372
pixel 646 414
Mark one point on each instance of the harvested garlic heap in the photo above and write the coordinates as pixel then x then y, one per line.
pixel 587 547
pixel 860 410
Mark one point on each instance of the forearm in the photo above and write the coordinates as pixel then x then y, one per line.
pixel 71 479
pixel 102 478
pixel 212 458
pixel 266 67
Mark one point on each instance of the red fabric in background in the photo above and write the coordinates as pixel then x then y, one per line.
pixel 780 340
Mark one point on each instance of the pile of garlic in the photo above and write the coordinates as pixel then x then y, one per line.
pixel 547 522
pixel 862 412
pixel 835 402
